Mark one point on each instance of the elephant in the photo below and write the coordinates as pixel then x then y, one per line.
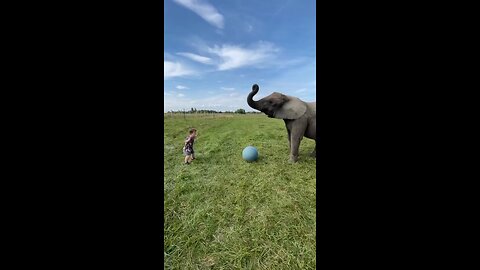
pixel 299 117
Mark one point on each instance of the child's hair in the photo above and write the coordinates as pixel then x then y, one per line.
pixel 191 131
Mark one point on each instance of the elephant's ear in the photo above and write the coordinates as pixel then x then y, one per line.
pixel 293 108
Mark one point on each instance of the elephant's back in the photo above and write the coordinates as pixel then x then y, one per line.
pixel 312 106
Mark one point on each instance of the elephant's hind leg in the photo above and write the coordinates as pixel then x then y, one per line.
pixel 314 153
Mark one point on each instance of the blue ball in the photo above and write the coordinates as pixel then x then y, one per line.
pixel 250 153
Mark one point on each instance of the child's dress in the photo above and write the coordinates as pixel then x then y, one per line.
pixel 188 149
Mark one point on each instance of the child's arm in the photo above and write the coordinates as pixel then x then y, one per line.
pixel 185 144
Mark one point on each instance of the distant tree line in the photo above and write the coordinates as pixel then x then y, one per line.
pixel 194 110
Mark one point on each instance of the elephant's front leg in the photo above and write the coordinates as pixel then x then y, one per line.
pixel 289 140
pixel 296 138
pixel 288 126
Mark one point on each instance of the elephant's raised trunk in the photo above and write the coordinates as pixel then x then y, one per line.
pixel 250 101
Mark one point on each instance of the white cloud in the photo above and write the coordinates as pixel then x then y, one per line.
pixel 180 95
pixel 196 57
pixel 236 56
pixel 286 63
pixel 205 10
pixel 227 56
pixel 167 56
pixel 282 7
pixel 227 88
pixel 175 69
pixel 181 87
pixel 301 90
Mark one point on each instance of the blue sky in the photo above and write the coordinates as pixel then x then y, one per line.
pixel 215 50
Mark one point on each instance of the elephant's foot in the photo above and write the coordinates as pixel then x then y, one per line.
pixel 293 159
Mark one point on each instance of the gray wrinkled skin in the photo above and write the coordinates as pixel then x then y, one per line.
pixel 299 116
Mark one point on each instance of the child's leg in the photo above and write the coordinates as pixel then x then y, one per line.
pixel 186 159
pixel 190 158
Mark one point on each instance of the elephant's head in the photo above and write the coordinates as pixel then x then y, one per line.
pixel 277 105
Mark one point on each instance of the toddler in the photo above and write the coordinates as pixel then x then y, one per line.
pixel 188 147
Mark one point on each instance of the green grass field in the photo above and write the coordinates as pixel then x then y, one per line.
pixel 224 213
